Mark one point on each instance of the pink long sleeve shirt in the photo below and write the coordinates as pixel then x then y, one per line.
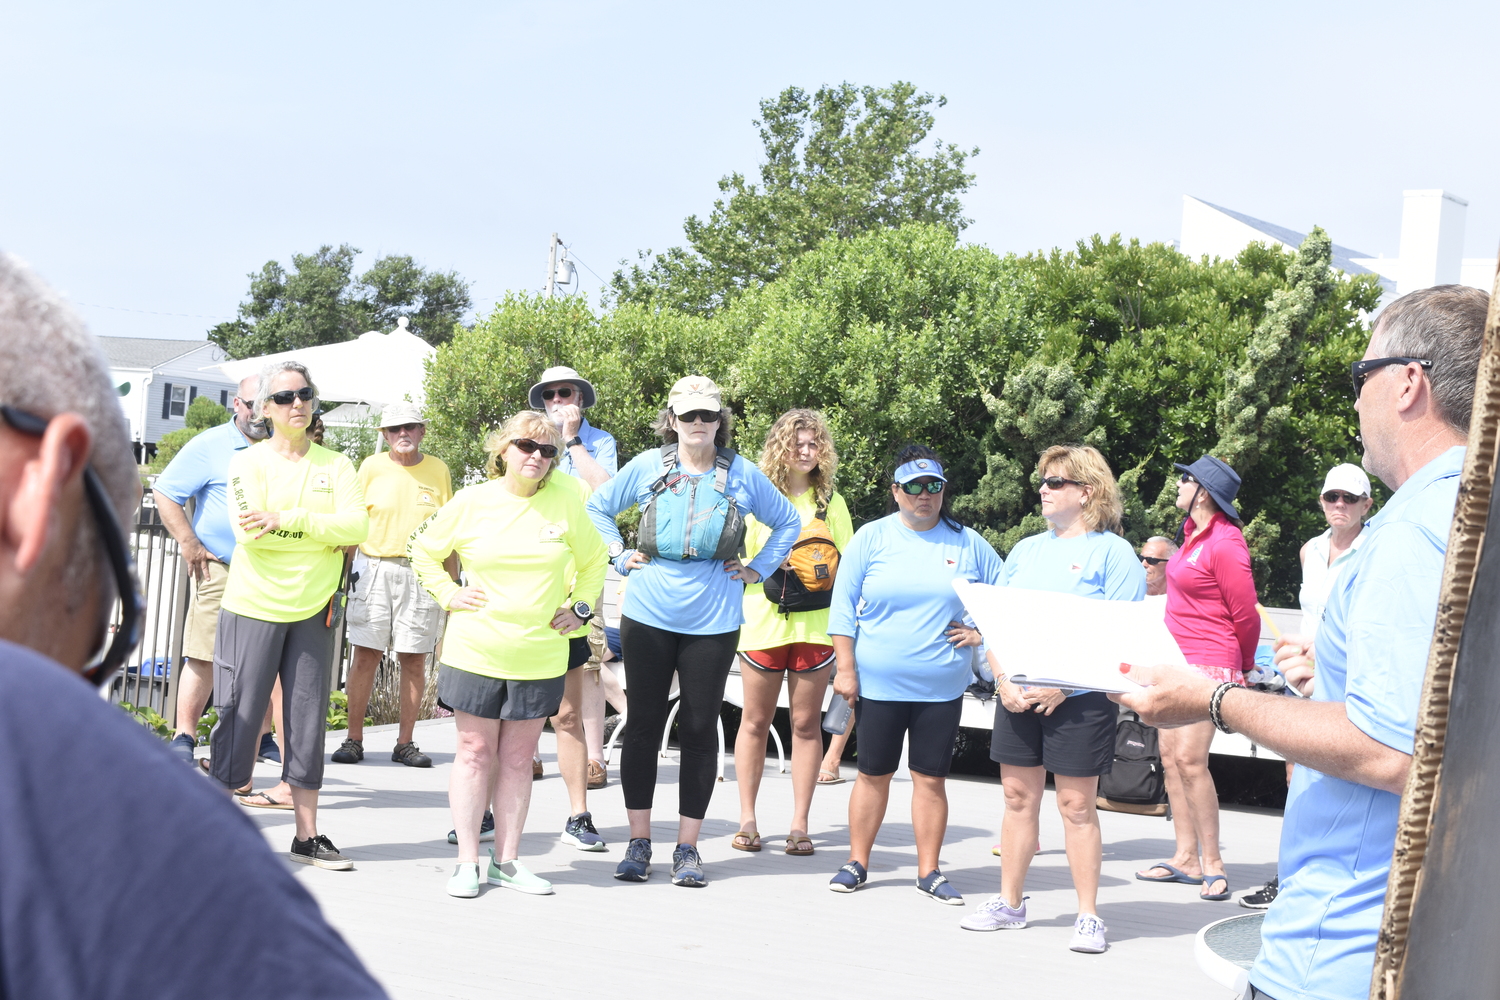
pixel 1211 597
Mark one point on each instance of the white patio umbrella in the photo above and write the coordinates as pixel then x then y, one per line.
pixel 374 368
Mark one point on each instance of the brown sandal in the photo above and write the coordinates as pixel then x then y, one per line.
pixel 249 785
pixel 795 839
pixel 745 841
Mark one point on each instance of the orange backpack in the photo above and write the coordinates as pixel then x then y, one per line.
pixel 814 561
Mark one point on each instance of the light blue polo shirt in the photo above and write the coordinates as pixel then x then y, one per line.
pixel 894 595
pixel 1318 939
pixel 200 471
pixel 599 444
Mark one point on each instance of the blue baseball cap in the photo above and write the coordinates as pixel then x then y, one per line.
pixel 917 469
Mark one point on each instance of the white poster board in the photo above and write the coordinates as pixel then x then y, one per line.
pixel 1048 639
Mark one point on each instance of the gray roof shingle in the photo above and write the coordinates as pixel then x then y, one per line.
pixel 146 352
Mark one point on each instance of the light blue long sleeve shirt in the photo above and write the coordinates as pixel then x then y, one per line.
pixel 1318 939
pixel 695 597
pixel 894 595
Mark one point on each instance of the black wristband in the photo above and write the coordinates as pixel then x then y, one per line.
pixel 576 441
pixel 1216 702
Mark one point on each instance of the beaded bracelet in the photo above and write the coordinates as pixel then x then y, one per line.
pixel 1213 706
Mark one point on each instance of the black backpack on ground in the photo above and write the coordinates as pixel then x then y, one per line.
pixel 1136 783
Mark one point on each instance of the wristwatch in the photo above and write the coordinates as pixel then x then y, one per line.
pixel 582 610
pixel 616 550
pixel 576 441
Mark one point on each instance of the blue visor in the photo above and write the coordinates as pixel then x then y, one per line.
pixel 920 468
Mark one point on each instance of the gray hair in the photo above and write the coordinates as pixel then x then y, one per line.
pixel 51 364
pixel 269 373
pixel 1444 324
pixel 1171 545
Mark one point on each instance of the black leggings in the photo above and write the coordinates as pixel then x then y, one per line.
pixel 701 663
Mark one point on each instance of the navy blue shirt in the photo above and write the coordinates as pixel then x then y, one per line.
pixel 124 874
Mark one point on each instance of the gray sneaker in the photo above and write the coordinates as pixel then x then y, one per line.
pixel 580 832
pixel 319 852
pixel 687 867
pixel 994 914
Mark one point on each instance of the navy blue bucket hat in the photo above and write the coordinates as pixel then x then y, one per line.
pixel 1221 482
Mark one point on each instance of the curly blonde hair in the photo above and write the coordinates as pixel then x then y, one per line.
pixel 1103 509
pixel 530 424
pixel 781 443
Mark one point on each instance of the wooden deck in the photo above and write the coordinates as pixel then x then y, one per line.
pixel 766 926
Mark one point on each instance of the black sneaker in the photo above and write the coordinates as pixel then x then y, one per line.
pixel 319 851
pixel 268 751
pixel 350 752
pixel 486 829
pixel 1263 897
pixel 182 746
pixel 410 755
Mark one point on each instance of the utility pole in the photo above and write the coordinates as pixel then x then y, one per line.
pixel 552 267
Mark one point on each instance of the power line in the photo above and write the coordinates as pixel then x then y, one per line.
pixel 147 312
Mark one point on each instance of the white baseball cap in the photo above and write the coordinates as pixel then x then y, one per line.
pixel 1349 478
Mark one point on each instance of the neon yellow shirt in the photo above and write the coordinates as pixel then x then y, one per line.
pixel 521 552
pixel 400 497
pixel 291 572
pixel 767 628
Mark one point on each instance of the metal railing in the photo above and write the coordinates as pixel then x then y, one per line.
pixel 150 674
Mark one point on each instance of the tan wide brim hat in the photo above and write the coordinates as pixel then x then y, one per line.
pixel 396 414
pixel 562 373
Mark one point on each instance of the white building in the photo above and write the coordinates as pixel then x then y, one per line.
pixel 158 379
pixel 1432 239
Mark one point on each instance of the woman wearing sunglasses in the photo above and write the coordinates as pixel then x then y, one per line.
pixel 1070 733
pixel 683 615
pixel 904 657
pixel 1211 613
pixel 799 458
pixel 521 537
pixel 294 505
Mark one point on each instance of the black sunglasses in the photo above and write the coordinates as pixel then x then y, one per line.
pixel 915 489
pixel 1186 477
pixel 1361 370
pixel 285 396
pixel 1058 482
pixel 1153 560
pixel 528 446
pixel 699 417
pixel 566 392
pixel 132 607
pixel 1334 496
pixel 403 427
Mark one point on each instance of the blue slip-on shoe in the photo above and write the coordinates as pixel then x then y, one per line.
pixel 687 867
pixel 268 751
pixel 182 746
pixel 486 829
pixel 637 864
pixel 580 832
pixel 935 886
pixel 848 878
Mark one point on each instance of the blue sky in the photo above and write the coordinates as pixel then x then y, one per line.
pixel 157 153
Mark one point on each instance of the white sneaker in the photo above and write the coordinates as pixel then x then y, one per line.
pixel 1088 935
pixel 995 914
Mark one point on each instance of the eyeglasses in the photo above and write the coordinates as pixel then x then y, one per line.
pixel 528 446
pixel 400 428
pixel 285 396
pixel 1152 560
pixel 566 392
pixel 1339 496
pixel 915 489
pixel 1361 370
pixel 1058 482
pixel 699 417
pixel 1186 477
pixel 132 607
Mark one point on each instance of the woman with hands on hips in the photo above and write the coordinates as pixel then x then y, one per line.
pixel 683 615
pixel 1070 733
pixel 520 538
pixel 904 659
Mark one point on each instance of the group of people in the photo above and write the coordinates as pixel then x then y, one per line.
pixel 518 562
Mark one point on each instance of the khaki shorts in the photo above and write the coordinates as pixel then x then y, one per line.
pixel 389 609
pixel 203 613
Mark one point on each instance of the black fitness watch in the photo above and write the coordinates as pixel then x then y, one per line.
pixel 582 610
pixel 576 441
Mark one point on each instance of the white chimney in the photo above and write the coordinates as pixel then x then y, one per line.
pixel 1432 240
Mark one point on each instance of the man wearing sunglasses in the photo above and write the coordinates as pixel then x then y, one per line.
pixel 75 768
pixel 1354 735
pixel 1155 552
pixel 591 454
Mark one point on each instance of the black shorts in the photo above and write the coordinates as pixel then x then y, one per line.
pixel 578 651
pixel 881 727
pixel 459 690
pixel 1076 741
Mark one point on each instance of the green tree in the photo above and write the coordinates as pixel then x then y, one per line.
pixel 319 301
pixel 838 163
pixel 202 414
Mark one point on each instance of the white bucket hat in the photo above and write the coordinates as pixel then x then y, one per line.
pixel 562 373
pixel 396 414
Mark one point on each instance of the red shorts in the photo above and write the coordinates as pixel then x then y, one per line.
pixel 798 657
